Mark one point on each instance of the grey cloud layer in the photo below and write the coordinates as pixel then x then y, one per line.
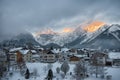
pixel 18 15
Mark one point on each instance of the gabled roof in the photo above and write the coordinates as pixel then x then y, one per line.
pixel 24 51
pixel 33 51
pixel 99 54
pixel 50 52
pixel 55 50
pixel 73 56
pixel 65 49
pixel 15 49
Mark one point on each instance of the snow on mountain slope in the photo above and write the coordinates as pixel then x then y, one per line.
pixel 111 30
pixel 107 37
pixel 57 38
pixel 79 37
pixel 90 36
pixel 114 28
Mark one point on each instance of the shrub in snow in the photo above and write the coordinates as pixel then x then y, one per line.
pixel 58 70
pixel 109 77
pixel 70 73
pixel 27 74
pixel 63 75
pixel 80 70
pixel 65 67
pixel 11 74
pixel 50 74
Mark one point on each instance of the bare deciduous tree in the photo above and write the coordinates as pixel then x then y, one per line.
pixel 80 70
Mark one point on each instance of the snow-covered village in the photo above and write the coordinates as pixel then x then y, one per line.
pixel 59 39
pixel 58 64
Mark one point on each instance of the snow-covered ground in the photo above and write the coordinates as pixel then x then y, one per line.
pixel 114 55
pixel 42 70
pixel 115 72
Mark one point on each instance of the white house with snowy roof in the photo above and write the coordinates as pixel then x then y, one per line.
pixel 27 55
pixel 48 57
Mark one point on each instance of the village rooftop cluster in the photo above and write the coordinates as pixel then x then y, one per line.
pixel 93 61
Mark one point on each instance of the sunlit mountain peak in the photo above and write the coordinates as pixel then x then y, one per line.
pixel 44 31
pixel 67 30
pixel 93 26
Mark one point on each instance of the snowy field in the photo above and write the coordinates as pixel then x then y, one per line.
pixel 42 70
pixel 114 55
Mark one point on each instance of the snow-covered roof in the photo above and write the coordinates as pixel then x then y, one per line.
pixel 40 48
pixel 55 50
pixel 50 52
pixel 114 55
pixel 24 51
pixel 33 51
pixel 65 49
pixel 15 49
pixel 80 55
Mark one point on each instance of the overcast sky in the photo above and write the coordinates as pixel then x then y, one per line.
pixel 18 16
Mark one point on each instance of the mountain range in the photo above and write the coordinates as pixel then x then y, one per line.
pixel 106 37
pixel 22 39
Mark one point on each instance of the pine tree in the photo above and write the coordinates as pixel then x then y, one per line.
pixel 50 74
pixel 27 74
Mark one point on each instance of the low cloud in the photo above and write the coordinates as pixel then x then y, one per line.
pixel 17 16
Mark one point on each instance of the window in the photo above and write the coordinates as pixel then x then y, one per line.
pixel 50 56
pixel 45 56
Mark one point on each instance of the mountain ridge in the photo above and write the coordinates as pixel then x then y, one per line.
pixel 106 37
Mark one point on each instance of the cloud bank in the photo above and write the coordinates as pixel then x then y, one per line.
pixel 17 16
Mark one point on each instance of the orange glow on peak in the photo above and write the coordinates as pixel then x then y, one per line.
pixel 44 31
pixel 93 26
pixel 67 30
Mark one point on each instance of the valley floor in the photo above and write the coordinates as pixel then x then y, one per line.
pixel 42 71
